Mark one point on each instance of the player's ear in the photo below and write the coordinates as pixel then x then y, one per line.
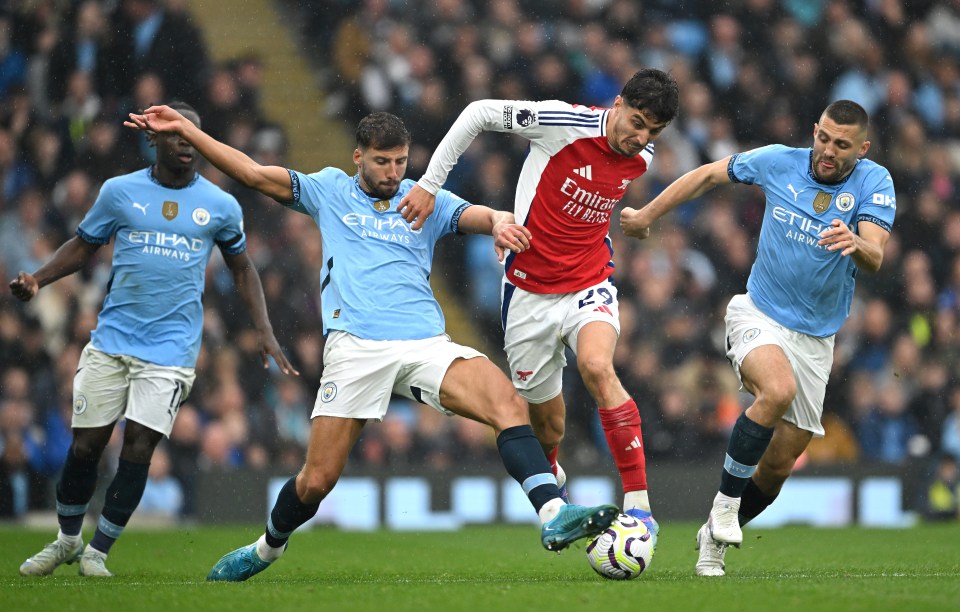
pixel 863 149
pixel 357 154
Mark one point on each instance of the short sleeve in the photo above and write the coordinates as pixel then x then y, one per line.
pixel 879 204
pixel 751 167
pixel 100 223
pixel 230 237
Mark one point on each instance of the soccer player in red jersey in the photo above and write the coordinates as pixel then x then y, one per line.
pixel 559 293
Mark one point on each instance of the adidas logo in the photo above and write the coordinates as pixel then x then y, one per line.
pixel 635 443
pixel 586 172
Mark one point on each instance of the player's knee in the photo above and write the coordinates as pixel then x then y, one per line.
pixel 596 371
pixel 509 410
pixel 780 393
pixel 314 485
pixel 86 450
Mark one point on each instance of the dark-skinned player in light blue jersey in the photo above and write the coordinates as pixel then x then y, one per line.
pixel 164 221
pixel 829 213
pixel 385 329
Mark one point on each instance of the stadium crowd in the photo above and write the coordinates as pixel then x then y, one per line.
pixel 750 72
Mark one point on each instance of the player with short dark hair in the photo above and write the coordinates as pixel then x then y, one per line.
pixel 560 293
pixel 829 213
pixel 139 364
pixel 384 327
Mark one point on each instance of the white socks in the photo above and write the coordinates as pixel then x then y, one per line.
pixel 549 510
pixel 266 552
pixel 636 499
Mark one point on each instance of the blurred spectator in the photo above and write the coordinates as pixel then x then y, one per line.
pixel 942 502
pixel 887 430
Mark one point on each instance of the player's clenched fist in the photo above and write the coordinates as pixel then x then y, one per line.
pixel 24 287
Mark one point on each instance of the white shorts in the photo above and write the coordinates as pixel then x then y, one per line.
pixel 810 356
pixel 360 375
pixel 108 387
pixel 538 327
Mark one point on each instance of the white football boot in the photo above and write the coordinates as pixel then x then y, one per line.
pixel 723 524
pixel 710 561
pixel 52 556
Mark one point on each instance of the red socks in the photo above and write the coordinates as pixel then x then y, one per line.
pixel 552 458
pixel 621 426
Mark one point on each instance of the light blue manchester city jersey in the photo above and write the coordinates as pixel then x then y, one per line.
pixel 164 237
pixel 802 286
pixel 375 282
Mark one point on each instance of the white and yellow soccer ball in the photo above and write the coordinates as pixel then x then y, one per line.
pixel 622 551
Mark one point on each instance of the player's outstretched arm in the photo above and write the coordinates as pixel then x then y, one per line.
pixel 477 117
pixel 70 257
pixel 273 181
pixel 507 233
pixel 693 184
pixel 247 280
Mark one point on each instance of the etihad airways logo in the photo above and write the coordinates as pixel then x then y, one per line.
pixel 391 229
pixel 800 228
pixel 175 246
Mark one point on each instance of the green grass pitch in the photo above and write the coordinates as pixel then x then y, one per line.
pixel 499 569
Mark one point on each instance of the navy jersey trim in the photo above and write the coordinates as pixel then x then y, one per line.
pixel 326 281
pixel 228 246
pixel 91 239
pixel 196 177
pixel 508 289
pixel 876 221
pixel 730 173
pixel 455 220
pixel 294 186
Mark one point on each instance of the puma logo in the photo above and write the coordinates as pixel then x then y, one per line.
pixel 141 207
pixel 795 193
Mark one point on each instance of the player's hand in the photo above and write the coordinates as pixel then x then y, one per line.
pixel 24 287
pixel 156 119
pixel 269 347
pixel 510 237
pixel 840 236
pixel 416 206
pixel 634 223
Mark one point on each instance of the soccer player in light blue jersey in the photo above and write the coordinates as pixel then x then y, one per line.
pixel 139 364
pixel 828 215
pixel 385 329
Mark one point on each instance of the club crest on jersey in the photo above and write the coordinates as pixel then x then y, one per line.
pixel 328 392
pixel 170 210
pixel 201 216
pixel 381 206
pixel 80 405
pixel 845 201
pixel 526 117
pixel 750 334
pixel 523 375
pixel 821 202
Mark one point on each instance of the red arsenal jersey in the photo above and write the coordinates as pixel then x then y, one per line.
pixel 569 185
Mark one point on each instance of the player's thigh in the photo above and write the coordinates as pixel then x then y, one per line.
pixel 757 348
pixel 812 360
pixel 452 378
pixel 156 394
pixel 477 389
pixel 533 343
pixel 100 389
pixel 358 377
pixel 591 322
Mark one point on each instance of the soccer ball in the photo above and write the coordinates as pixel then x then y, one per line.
pixel 622 551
